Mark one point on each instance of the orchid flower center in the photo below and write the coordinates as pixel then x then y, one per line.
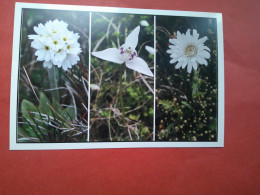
pixel 127 53
pixel 191 50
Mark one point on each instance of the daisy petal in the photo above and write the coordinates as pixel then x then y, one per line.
pixel 139 65
pixel 179 64
pixel 189 67
pixel 201 60
pixel 132 38
pixel 195 34
pixel 202 40
pixel 204 54
pixel 173 60
pixel 110 54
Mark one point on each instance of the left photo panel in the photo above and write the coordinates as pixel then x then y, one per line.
pixel 53 77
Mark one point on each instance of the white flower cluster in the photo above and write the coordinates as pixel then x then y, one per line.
pixel 55 44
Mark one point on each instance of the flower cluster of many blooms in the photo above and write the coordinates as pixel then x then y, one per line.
pixel 55 44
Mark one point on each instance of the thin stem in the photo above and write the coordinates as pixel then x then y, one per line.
pixel 53 85
pixel 121 94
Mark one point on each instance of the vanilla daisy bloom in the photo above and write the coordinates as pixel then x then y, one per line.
pixel 126 54
pixel 188 50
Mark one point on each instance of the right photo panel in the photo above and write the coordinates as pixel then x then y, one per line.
pixel 186 79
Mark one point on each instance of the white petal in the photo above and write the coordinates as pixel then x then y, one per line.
pixel 194 63
pixel 47 64
pixel 173 60
pixel 203 47
pixel 139 65
pixel 41 54
pixel 37 44
pixel 174 41
pixel 132 38
pixel 144 23
pixel 47 56
pixel 179 64
pixel 201 60
pixel 170 51
pixel 66 64
pixel 110 54
pixel 185 62
pixel 150 49
pixel 195 34
pixel 202 40
pixel 204 54
pixel 189 67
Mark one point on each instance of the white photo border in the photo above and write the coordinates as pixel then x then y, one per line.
pixel 91 145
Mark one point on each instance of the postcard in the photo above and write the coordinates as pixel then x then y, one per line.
pixel 102 77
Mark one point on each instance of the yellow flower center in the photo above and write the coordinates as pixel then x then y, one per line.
pixel 55 42
pixel 54 31
pixel 68 47
pixel 191 51
pixel 60 50
pixel 65 39
pixel 46 48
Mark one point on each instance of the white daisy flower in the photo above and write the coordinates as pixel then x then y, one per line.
pixel 126 54
pixel 188 50
pixel 55 44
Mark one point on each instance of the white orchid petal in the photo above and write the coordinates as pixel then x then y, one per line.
pixel 132 38
pixel 151 50
pixel 139 65
pixel 144 23
pixel 110 54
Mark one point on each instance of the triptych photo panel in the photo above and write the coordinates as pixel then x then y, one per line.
pixel 96 77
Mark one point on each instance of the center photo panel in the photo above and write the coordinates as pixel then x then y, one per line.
pixel 121 77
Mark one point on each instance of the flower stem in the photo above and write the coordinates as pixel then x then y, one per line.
pixel 121 94
pixel 53 86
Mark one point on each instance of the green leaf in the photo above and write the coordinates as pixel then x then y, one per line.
pixel 134 117
pixel 43 107
pixel 186 104
pixel 165 103
pixel 213 124
pixel 69 113
pixel 28 106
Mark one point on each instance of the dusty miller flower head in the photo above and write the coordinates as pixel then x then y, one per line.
pixel 188 50
pixel 55 44
pixel 126 54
